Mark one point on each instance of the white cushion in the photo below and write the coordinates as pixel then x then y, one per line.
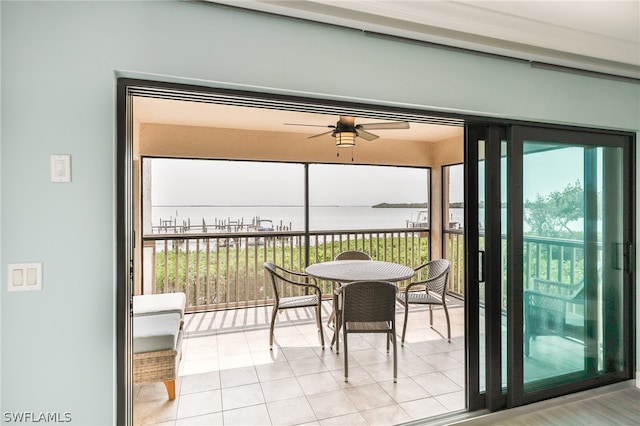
pixel 155 332
pixel 150 304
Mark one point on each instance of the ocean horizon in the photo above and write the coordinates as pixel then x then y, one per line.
pixel 291 217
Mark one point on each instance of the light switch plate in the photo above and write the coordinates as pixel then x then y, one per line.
pixel 60 168
pixel 24 276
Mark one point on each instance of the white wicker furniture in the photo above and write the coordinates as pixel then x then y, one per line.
pixel 157 339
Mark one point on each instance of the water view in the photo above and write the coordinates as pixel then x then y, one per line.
pixel 292 217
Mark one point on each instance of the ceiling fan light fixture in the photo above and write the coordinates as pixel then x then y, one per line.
pixel 345 139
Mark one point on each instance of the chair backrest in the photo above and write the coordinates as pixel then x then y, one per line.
pixel 275 277
pixel 353 255
pixel 288 283
pixel 437 275
pixel 567 290
pixel 369 301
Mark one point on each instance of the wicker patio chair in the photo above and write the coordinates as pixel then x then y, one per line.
pixel 353 255
pixel 287 282
pixel 547 311
pixel 432 292
pixel 345 255
pixel 368 307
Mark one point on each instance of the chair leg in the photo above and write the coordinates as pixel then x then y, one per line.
pixel 388 341
pixel 431 315
pixel 336 332
pixel 273 323
pixel 395 355
pixel 404 327
pixel 346 358
pixel 171 389
pixel 446 313
pixel 319 321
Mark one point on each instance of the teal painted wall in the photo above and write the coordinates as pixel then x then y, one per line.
pixel 59 65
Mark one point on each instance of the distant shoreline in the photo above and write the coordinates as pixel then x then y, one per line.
pixel 376 206
pixel 381 205
pixel 401 206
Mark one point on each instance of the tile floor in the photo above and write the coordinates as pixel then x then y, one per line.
pixel 229 376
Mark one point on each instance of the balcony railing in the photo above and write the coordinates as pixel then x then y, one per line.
pixel 224 270
pixel 553 259
pixel 454 251
pixel 219 271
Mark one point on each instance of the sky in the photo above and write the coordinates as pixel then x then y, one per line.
pixel 212 182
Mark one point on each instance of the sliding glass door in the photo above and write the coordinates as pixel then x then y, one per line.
pixel 554 240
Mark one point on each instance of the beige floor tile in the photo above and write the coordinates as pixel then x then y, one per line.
pixel 228 353
pixel 436 383
pixel 331 404
pixel 199 352
pixel 390 415
pixel 370 396
pixel 404 390
pixel 199 366
pixel 318 383
pixel 423 408
pixel 233 348
pixel 452 401
pixel 210 342
pixel 307 366
pixel 420 347
pixel 346 420
pixel 231 338
pixel 198 404
pixel 291 411
pixel 253 415
pixel 457 375
pixel 293 353
pixel 155 411
pixel 443 361
pixel 277 390
pixel 154 391
pixel 382 371
pixel 415 366
pixel 227 362
pixel 207 419
pixel 238 376
pixel 369 356
pixel 275 370
pixel 358 376
pixel 242 396
pixel 332 360
pixel 200 382
pixel 267 356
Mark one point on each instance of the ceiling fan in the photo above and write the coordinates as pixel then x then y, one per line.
pixel 346 130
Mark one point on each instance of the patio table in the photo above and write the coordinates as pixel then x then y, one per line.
pixel 346 271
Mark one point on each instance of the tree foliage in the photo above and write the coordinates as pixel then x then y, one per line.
pixel 549 216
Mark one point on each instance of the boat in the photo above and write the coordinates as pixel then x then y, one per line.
pixel 265 225
pixel 421 221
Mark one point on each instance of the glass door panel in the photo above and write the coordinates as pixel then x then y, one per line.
pixel 572 222
pixel 553 262
pixel 569 231
pixel 549 293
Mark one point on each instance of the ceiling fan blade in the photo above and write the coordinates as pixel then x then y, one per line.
pixel 309 125
pixel 321 134
pixel 383 126
pixel 366 135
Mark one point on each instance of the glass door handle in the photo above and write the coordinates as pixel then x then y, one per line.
pixel 481 265
pixel 629 257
